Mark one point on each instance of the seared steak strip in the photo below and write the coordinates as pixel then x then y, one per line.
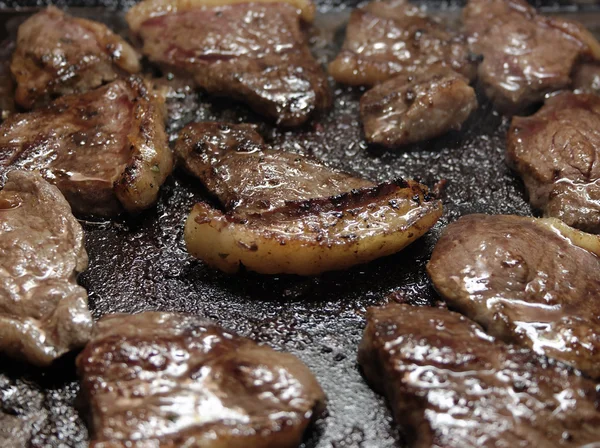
pixel 525 55
pixel 413 108
pixel 106 150
pixel 288 213
pixel 450 385
pixel 43 311
pixel 254 52
pixel 385 38
pixel 557 152
pixel 529 281
pixel 172 380
pixel 58 54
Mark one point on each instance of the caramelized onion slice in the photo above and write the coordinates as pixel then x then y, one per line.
pixel 317 235
pixel 147 9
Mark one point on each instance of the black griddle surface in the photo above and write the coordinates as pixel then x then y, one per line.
pixel 141 264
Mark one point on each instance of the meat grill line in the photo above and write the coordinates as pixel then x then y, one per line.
pixel 320 320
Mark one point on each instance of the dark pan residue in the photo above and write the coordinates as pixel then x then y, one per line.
pixel 142 264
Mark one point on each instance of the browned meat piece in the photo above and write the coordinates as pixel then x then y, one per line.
pixel 254 52
pixel 413 108
pixel 450 385
pixel 288 213
pixel 556 152
pixel 174 380
pixel 106 149
pixel 58 54
pixel 385 38
pixel 586 78
pixel 43 311
pixel 525 55
pixel 531 281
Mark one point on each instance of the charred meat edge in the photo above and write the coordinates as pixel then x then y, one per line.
pixel 227 243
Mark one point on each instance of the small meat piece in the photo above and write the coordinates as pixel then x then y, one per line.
pixel 58 54
pixel 385 38
pixel 557 152
pixel 288 213
pixel 586 78
pixel 106 150
pixel 175 380
pixel 525 55
pixel 450 385
pixel 413 108
pixel 530 281
pixel 43 311
pixel 254 52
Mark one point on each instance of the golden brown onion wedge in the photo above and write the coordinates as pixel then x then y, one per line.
pixel 153 8
pixel 316 235
pixel 586 241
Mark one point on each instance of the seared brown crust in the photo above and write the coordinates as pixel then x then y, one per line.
pixel 58 54
pixel 43 311
pixel 106 149
pixel 172 380
pixel 526 280
pixel 386 38
pixel 451 385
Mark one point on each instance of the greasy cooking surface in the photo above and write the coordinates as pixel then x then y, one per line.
pixel 142 265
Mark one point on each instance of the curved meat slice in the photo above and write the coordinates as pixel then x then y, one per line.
pixel 451 385
pixel 413 108
pixel 43 311
pixel 106 150
pixel 557 152
pixel 172 380
pixel 58 54
pixel 254 52
pixel 385 38
pixel 288 213
pixel 530 281
pixel 525 55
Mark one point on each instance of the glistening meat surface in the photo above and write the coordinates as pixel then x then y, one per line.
pixel 289 213
pixel 556 151
pixel 172 380
pixel 530 281
pixel 43 311
pixel 58 54
pixel 254 52
pixel 452 386
pixel 106 150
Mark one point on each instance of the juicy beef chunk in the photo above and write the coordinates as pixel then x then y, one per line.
pixel 385 38
pixel 556 152
pixel 288 213
pixel 451 385
pixel 530 281
pixel 253 52
pixel 106 150
pixel 58 54
pixel 525 55
pixel 172 380
pixel 43 311
pixel 413 108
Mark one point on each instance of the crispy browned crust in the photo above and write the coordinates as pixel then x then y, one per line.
pixel 317 235
pixel 151 158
